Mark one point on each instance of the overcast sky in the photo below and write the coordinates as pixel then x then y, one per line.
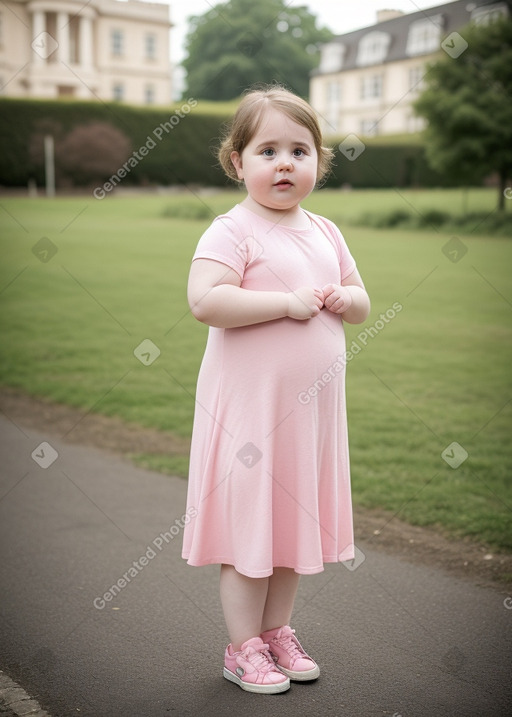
pixel 338 15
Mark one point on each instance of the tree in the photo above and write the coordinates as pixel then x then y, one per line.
pixel 87 155
pixel 241 42
pixel 468 105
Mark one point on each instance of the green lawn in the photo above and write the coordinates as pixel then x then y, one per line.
pixel 436 373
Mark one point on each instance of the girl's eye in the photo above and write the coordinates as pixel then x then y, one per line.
pixel 268 152
pixel 298 152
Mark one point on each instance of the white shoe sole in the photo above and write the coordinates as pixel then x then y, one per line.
pixel 301 676
pixel 262 689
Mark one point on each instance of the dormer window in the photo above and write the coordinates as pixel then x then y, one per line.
pixel 332 57
pixel 373 48
pixel 489 13
pixel 424 36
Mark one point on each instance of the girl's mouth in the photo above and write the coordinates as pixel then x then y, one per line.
pixel 283 183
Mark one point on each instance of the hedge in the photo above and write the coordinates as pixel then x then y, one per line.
pixel 397 164
pixel 183 151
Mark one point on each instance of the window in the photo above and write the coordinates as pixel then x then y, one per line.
pixel 369 127
pixel 333 92
pixel 488 14
pixel 117 43
pixel 371 87
pixel 424 36
pixel 332 125
pixel 332 57
pixel 150 46
pixel 118 92
pixel 416 75
pixel 66 91
pixel 373 48
pixel 149 94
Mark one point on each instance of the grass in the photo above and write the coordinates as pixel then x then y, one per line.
pixel 471 211
pixel 436 373
pixel 225 108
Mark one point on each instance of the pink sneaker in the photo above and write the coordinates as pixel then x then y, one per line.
pixel 253 669
pixel 289 655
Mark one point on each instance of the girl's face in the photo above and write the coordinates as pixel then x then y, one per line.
pixel 279 165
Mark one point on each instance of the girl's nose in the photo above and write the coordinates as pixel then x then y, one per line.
pixel 285 163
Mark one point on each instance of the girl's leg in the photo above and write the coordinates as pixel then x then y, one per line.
pixel 282 588
pixel 243 602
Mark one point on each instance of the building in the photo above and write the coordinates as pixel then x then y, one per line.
pixel 368 79
pixel 101 49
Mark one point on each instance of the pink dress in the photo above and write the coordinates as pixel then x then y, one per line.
pixel 269 482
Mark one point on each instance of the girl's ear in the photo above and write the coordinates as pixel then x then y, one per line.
pixel 236 159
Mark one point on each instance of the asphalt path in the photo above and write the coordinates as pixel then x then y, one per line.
pixel 100 616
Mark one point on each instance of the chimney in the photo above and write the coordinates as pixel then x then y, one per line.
pixel 383 15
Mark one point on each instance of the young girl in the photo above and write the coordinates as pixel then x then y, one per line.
pixel 269 472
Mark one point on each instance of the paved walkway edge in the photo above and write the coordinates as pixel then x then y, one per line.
pixel 14 701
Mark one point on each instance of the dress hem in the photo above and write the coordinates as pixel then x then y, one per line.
pixel 262 573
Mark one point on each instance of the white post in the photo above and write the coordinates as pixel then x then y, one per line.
pixel 38 26
pixel 63 36
pixel 85 43
pixel 49 165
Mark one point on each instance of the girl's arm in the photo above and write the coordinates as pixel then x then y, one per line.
pixel 348 299
pixel 217 299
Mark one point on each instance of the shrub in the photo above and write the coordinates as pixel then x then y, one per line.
pixel 87 154
pixel 396 217
pixel 497 223
pixel 384 220
pixel 188 210
pixel 494 224
pixel 433 218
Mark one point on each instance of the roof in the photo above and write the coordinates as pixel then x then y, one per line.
pixel 453 15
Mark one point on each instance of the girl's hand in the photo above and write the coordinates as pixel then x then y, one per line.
pixel 337 298
pixel 305 303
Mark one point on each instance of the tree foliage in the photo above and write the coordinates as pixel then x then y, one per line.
pixel 242 42
pixel 87 154
pixel 468 106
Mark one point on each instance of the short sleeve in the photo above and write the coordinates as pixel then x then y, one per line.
pixel 346 260
pixel 223 241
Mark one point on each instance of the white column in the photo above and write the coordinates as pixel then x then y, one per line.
pixel 63 36
pixel 85 43
pixel 38 26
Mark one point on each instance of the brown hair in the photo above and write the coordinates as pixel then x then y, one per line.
pixel 248 117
